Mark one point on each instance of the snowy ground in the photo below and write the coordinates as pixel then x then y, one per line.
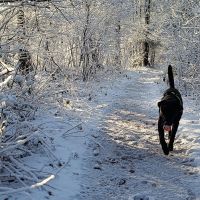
pixel 106 145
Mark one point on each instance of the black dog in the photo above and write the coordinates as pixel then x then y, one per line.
pixel 170 112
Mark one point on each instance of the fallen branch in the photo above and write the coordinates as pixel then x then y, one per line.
pixel 36 185
pixel 9 68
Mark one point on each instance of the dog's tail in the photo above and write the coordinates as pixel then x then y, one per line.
pixel 170 76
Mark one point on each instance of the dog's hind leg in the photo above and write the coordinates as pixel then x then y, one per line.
pixel 173 134
pixel 162 137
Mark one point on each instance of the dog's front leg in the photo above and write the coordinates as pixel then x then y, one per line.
pixel 162 136
pixel 173 134
pixel 169 135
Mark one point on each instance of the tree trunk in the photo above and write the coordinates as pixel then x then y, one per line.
pixel 24 56
pixel 146 43
pixel 84 57
pixel 118 45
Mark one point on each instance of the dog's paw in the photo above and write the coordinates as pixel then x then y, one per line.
pixel 165 149
pixel 170 147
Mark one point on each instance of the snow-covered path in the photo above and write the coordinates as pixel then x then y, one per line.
pixel 124 158
pixel 103 144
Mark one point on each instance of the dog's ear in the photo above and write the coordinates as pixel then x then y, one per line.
pixel 160 103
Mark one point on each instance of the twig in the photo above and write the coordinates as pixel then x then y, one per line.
pixel 39 184
pixel 23 168
pixel 71 129
pixel 15 175
pixel 97 142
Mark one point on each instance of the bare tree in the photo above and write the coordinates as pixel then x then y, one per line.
pixel 146 42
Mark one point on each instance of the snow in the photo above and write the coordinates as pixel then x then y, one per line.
pixel 103 144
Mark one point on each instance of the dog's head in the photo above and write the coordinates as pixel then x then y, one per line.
pixel 169 110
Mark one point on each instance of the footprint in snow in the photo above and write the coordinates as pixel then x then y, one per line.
pixel 191 195
pixel 141 197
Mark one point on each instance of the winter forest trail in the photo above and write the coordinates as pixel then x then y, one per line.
pixel 124 159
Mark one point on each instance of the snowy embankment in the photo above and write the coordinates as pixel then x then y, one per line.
pixel 103 144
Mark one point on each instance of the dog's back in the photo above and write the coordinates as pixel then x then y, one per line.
pixel 172 93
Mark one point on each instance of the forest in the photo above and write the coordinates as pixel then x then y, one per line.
pixel 56 52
